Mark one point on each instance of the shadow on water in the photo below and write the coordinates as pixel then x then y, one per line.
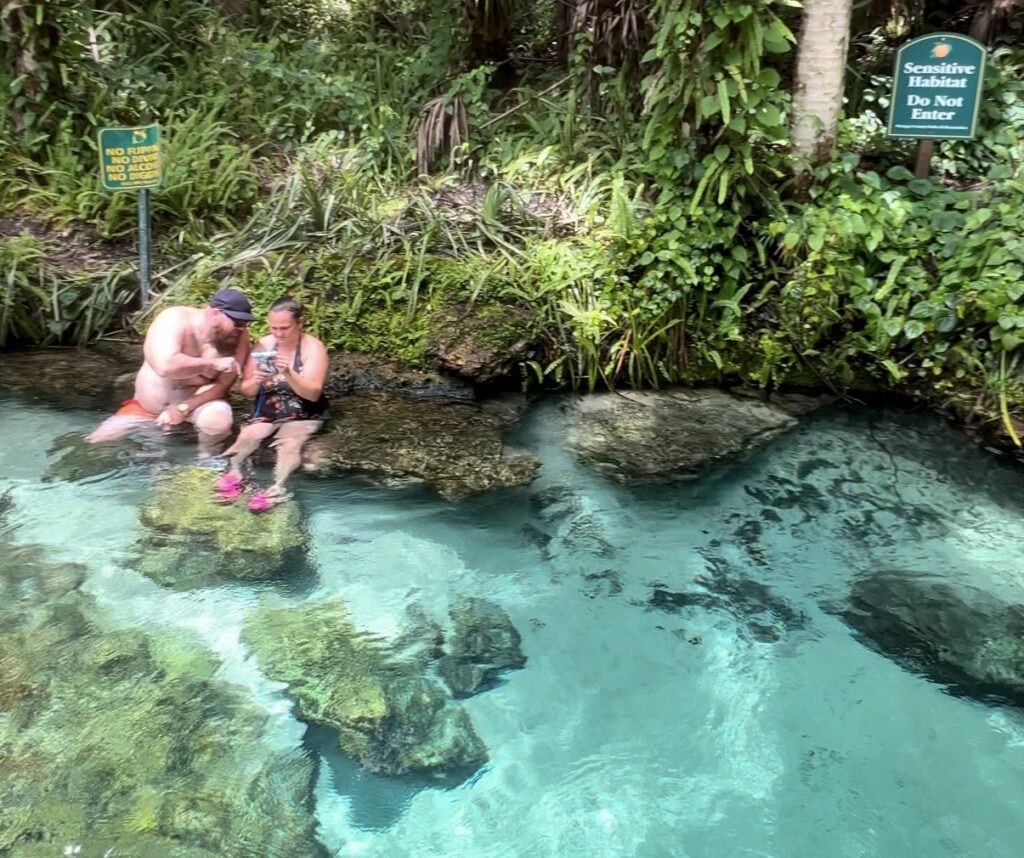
pixel 376 802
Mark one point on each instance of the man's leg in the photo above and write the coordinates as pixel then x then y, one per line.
pixel 129 416
pixel 214 422
pixel 249 438
pixel 288 443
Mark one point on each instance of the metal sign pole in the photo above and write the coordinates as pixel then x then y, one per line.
pixel 144 246
pixel 130 161
pixel 924 158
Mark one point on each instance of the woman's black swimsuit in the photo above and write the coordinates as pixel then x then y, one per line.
pixel 276 402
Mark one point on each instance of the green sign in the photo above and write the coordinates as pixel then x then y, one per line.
pixel 130 158
pixel 937 87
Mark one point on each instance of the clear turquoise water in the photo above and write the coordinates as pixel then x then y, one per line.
pixel 754 726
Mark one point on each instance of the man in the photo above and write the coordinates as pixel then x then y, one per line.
pixel 192 357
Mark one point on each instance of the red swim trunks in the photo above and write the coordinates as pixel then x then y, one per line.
pixel 132 408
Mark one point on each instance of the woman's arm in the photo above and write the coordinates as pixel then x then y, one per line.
pixel 309 384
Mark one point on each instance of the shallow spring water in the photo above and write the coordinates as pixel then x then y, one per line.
pixel 691 687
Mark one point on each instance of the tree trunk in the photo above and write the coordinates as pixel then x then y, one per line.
pixel 820 69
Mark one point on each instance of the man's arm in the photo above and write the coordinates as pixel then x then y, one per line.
pixel 163 348
pixel 172 415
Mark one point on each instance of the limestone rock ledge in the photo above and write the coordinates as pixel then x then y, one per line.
pixel 656 436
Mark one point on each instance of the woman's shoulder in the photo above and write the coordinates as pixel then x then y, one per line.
pixel 266 344
pixel 308 340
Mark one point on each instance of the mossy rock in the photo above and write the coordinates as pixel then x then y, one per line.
pixel 191 539
pixel 389 718
pixel 71 378
pixel 122 743
pixel 484 343
pixel 454 448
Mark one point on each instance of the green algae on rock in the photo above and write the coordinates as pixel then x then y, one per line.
pixel 117 741
pixel 389 718
pixel 192 540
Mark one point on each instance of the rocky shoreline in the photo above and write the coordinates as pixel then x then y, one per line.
pixel 399 426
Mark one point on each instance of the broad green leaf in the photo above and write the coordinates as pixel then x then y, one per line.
pixel 913 329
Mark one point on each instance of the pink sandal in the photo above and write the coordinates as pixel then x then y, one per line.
pixel 229 487
pixel 260 502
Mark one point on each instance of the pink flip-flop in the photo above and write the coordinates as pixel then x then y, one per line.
pixel 260 502
pixel 229 487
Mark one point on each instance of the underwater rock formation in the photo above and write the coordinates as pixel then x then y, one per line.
pixel 389 717
pixel 453 448
pixel 190 539
pixel 76 459
pixel 120 742
pixel 962 637
pixel 654 436
pixel 483 644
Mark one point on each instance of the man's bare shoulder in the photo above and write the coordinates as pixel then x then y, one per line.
pixel 175 315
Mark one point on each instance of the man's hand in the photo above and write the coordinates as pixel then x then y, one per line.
pixel 226 364
pixel 169 417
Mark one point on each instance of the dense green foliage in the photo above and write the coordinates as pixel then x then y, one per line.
pixel 624 172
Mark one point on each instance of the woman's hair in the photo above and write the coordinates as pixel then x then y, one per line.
pixel 288 304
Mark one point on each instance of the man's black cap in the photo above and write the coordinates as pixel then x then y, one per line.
pixel 234 304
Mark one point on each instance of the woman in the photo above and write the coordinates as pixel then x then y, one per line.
pixel 290 402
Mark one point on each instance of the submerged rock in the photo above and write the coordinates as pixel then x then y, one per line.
pixel 655 436
pixel 961 637
pixel 76 459
pixel 388 717
pixel 483 644
pixel 121 742
pixel 453 448
pixel 190 539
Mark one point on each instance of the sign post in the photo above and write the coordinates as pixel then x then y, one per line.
pixel 936 92
pixel 129 161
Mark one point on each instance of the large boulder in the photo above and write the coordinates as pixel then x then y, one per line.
pixel 454 448
pixel 960 636
pixel 190 539
pixel 654 436
pixel 483 644
pixel 388 716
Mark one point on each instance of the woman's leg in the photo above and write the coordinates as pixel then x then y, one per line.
pixel 288 443
pixel 249 438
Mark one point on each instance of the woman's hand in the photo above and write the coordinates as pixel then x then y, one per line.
pixel 263 376
pixel 283 366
